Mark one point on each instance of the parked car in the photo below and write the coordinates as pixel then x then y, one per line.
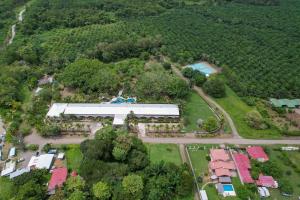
pixel 21 159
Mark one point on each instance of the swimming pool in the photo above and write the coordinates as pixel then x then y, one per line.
pixel 203 67
pixel 228 188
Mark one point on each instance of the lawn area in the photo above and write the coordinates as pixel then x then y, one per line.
pixel 238 109
pixel 6 188
pixel 293 177
pixel 74 157
pixel 194 109
pixel 164 152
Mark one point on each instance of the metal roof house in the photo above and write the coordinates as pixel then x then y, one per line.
pixel 117 111
pixel 44 161
pixel 280 103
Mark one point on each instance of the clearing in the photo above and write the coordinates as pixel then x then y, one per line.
pixel 238 109
pixel 164 152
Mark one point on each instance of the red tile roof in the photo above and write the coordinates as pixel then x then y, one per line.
pixel 257 152
pixel 221 164
pixel 58 177
pixel 219 154
pixel 243 165
pixel 266 181
pixel 222 172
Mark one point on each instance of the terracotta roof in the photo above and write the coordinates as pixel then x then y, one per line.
pixel 58 177
pixel 257 152
pixel 243 166
pixel 219 154
pixel 222 172
pixel 221 164
pixel 266 181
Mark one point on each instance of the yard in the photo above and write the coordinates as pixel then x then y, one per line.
pixel 195 108
pixel 288 172
pixel 74 157
pixel 238 109
pixel 164 152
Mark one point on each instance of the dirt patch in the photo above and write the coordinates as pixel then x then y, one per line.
pixel 67 92
pixel 294 118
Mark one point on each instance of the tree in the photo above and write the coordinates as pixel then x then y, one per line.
pixel 31 190
pixel 101 191
pixel 137 160
pixel 119 153
pixel 214 87
pixel 75 183
pixel 59 195
pixel 198 79
pixel 133 187
pixel 210 124
pixel 77 195
pixel 188 72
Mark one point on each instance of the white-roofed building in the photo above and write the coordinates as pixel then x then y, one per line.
pixel 19 172
pixel 117 111
pixel 9 168
pixel 44 161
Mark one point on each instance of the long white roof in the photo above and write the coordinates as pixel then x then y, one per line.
pixel 113 109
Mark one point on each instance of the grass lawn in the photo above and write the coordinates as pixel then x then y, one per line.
pixel 194 109
pixel 164 152
pixel 294 177
pixel 6 188
pixel 74 157
pixel 238 109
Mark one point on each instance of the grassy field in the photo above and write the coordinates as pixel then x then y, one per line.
pixel 6 188
pixel 238 109
pixel 294 177
pixel 74 157
pixel 164 152
pixel 194 109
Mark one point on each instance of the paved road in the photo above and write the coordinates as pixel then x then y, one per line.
pixel 218 141
pixel 211 103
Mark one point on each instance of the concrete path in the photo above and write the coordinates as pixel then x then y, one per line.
pixel 13 27
pixel 211 103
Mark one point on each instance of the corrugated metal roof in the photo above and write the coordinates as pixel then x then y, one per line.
pixel 113 109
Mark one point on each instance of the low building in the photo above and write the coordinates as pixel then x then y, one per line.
pixel 285 103
pixel 45 80
pixel 58 177
pixel 266 181
pixel 19 172
pixel 243 167
pixel 263 192
pixel 44 161
pixel 12 152
pixel 219 155
pixel 118 112
pixel 9 168
pixel 61 156
pixel 221 164
pixel 257 153
pixel 224 179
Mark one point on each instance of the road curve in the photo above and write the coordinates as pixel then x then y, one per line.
pixel 211 103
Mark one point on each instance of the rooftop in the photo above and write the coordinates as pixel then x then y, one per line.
pixel 41 162
pixel 221 164
pixel 266 181
pixel 291 103
pixel 243 166
pixel 219 154
pixel 58 177
pixel 112 109
pixel 257 152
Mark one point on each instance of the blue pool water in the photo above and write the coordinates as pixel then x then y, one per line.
pixel 203 67
pixel 228 188
pixel 120 100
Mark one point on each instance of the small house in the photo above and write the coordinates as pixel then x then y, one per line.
pixel 44 161
pixel 58 177
pixel 257 153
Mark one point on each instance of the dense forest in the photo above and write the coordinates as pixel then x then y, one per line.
pixel 257 45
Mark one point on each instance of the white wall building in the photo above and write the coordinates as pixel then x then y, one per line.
pixel 117 111
pixel 44 161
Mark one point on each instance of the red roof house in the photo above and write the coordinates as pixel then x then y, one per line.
pixel 257 153
pixel 222 172
pixel 58 177
pixel 219 155
pixel 266 181
pixel 243 166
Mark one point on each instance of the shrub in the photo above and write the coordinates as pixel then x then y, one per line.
pixel 167 65
pixel 255 120
pixel 210 124
pixel 32 147
pixel 214 87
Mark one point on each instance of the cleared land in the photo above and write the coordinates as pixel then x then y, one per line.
pixel 238 109
pixel 195 108
pixel 74 157
pixel 164 152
